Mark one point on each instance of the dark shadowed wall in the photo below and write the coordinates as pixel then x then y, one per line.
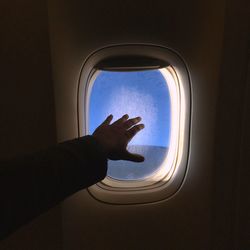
pixel 231 217
pixel 27 121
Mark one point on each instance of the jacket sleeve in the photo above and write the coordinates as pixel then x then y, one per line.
pixel 32 184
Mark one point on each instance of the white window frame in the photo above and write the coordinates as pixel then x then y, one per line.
pixel 168 179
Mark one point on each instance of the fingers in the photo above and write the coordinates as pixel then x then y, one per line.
pixel 108 120
pixel 133 157
pixel 121 120
pixel 134 130
pixel 131 122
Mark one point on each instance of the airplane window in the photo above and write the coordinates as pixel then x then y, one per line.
pixel 136 93
pixel 152 82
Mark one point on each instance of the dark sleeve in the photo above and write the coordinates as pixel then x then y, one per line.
pixel 32 184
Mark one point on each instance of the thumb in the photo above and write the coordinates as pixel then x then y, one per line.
pixel 133 157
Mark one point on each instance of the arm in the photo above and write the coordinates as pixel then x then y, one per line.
pixel 32 184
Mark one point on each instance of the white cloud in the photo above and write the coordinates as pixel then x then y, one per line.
pixel 134 103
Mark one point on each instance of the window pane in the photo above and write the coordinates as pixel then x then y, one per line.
pixel 144 94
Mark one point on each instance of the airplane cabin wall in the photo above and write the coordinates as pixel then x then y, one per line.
pixel 195 29
pixel 231 200
pixel 27 105
pixel 211 211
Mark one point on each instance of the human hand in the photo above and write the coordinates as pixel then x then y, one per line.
pixel 115 137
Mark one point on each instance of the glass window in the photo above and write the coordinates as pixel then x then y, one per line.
pixel 136 93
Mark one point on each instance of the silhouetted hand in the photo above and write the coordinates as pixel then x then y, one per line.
pixel 115 137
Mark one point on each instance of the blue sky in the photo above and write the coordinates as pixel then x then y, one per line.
pixel 141 93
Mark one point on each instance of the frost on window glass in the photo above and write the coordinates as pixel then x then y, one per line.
pixel 140 93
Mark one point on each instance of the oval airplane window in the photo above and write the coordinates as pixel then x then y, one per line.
pixel 147 81
pixel 137 93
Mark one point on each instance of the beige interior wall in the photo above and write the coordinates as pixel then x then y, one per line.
pixel 193 28
pixel 27 121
